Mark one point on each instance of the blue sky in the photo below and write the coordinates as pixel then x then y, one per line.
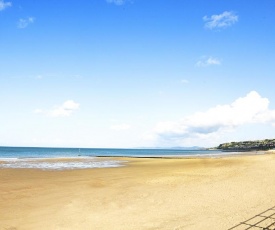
pixel 136 73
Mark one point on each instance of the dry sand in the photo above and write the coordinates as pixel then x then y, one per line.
pixel 145 194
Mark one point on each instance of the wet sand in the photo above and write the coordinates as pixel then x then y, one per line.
pixel 146 193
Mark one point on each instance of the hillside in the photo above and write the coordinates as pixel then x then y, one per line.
pixel 248 145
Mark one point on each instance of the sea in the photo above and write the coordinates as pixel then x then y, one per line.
pixel 84 158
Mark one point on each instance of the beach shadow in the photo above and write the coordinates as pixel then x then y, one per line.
pixel 264 221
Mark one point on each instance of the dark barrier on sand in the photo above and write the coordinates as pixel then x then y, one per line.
pixel 264 221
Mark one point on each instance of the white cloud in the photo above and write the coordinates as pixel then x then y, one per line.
pixel 251 109
pixel 65 110
pixel 223 20
pixel 208 61
pixel 120 127
pixel 4 5
pixel 23 23
pixel 117 2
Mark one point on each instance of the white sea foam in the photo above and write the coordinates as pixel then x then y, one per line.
pixel 60 164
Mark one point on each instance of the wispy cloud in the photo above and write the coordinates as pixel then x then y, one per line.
pixel 23 23
pixel 38 77
pixel 226 19
pixel 117 2
pixel 4 5
pixel 208 61
pixel 184 81
pixel 120 127
pixel 251 109
pixel 64 110
pixel 38 111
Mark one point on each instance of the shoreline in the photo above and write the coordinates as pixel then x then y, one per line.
pixel 148 193
pixel 202 156
pixel 90 162
pixel 193 156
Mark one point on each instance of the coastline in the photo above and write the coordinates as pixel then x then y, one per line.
pixel 72 162
pixel 192 156
pixel 148 193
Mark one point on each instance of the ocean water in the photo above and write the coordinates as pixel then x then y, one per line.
pixel 83 158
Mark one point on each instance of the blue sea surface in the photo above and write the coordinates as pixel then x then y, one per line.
pixel 36 152
pixel 81 158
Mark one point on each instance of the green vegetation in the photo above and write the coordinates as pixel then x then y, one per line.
pixel 248 145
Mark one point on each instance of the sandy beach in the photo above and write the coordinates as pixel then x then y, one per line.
pixel 213 193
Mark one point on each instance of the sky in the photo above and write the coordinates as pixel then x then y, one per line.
pixel 136 73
